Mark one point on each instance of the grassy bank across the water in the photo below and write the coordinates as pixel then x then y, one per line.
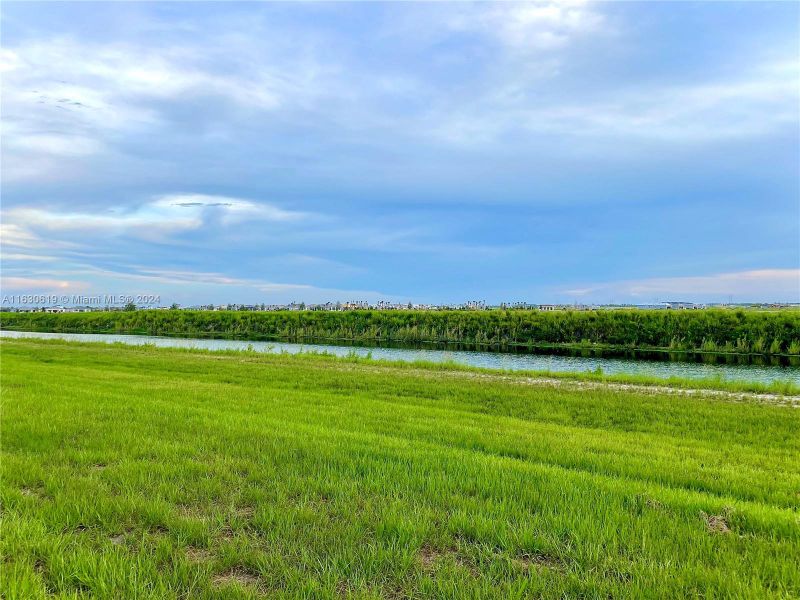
pixel 708 331
pixel 163 473
pixel 787 387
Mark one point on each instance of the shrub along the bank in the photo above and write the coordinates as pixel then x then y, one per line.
pixel 711 330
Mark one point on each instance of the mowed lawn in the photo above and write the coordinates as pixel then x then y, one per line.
pixel 152 473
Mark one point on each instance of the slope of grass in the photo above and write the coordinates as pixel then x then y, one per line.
pixel 789 386
pixel 152 473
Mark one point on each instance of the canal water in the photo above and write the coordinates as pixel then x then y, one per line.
pixel 487 360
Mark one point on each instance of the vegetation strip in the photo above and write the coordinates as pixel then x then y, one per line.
pixel 165 473
pixel 703 331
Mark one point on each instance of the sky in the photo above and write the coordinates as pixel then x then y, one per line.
pixel 562 152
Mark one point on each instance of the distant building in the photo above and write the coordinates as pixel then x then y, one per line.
pixel 682 305
pixel 78 309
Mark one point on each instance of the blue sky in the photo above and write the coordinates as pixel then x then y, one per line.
pixel 546 152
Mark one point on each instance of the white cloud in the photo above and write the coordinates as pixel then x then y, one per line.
pixel 14 235
pixel 72 98
pixel 18 256
pixel 32 284
pixel 17 236
pixel 144 220
pixel 58 101
pixel 151 220
pixel 760 284
pixel 199 286
pixel 761 101
pixel 531 26
pixel 195 277
pixel 55 144
pixel 254 288
pixel 64 71
pixel 233 209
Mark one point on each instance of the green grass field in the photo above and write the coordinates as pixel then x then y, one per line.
pixel 131 472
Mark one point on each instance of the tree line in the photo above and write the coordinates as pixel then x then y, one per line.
pixel 709 330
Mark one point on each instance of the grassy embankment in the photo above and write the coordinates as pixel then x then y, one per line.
pixel 706 331
pixel 137 472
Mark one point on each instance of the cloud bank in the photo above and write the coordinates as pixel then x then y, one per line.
pixel 505 151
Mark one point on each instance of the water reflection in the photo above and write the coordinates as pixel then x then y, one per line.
pixel 733 368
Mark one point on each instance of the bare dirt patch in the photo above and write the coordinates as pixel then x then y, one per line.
pixel 245 512
pixel 199 555
pixel 237 576
pixel 393 592
pixel 190 511
pixel 538 560
pixel 466 563
pixel 717 523
pixel 428 556
pixel 342 588
pixel 159 529
pixel 30 492
pixel 227 532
